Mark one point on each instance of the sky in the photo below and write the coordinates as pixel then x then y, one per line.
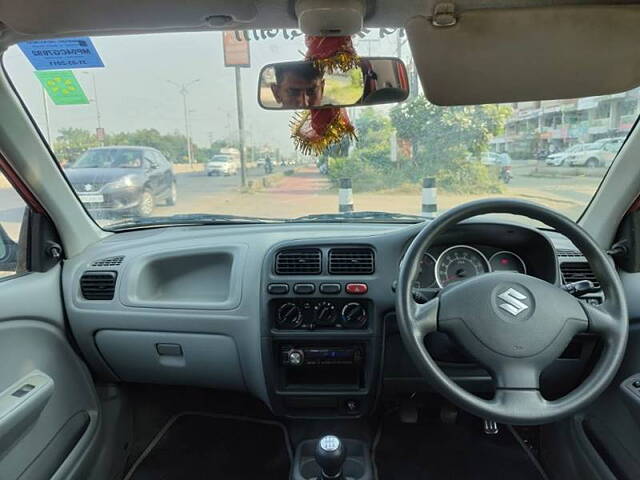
pixel 134 89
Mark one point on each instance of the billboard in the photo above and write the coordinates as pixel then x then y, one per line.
pixel 236 50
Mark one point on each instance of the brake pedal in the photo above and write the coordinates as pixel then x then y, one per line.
pixel 448 414
pixel 490 427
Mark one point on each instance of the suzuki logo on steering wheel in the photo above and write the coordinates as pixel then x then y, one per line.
pixel 513 304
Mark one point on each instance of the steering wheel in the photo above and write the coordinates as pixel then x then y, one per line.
pixel 514 325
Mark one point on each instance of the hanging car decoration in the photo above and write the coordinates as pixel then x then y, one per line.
pixel 330 54
pixel 314 130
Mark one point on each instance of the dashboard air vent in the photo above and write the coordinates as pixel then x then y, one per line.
pixel 304 261
pixel 351 261
pixel 576 271
pixel 108 262
pixel 98 285
pixel 568 252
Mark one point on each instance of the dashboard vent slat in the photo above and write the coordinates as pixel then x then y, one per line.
pixel 351 261
pixel 576 271
pixel 306 261
pixel 108 262
pixel 98 285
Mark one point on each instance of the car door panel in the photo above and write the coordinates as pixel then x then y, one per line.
pixel 49 432
pixel 154 173
pixel 610 429
pixel 59 449
pixel 618 457
pixel 167 174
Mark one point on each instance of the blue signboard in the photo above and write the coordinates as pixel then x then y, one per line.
pixel 62 54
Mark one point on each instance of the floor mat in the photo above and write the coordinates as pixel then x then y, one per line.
pixel 209 447
pixel 431 450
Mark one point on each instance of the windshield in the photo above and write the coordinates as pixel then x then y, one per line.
pixel 109 158
pixel 167 104
pixel 575 148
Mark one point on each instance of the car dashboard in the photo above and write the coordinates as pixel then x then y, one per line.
pixel 300 315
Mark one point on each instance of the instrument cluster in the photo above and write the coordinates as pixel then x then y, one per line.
pixel 439 269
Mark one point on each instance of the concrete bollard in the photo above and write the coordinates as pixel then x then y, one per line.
pixel 429 197
pixel 345 196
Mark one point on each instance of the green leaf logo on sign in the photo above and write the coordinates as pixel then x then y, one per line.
pixel 63 87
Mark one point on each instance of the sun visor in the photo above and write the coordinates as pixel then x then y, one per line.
pixel 520 54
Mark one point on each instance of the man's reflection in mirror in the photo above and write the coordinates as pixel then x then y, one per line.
pixel 298 85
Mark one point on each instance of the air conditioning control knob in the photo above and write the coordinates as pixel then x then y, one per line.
pixel 326 313
pixel 354 315
pixel 289 315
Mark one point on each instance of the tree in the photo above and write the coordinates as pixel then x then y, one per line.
pixel 440 135
pixel 172 145
pixel 374 133
pixel 72 142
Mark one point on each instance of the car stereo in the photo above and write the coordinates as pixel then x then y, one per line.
pixel 318 356
pixel 321 366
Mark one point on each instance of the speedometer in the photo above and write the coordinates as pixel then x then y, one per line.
pixel 459 263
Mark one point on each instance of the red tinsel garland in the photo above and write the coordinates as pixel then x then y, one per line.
pixel 313 131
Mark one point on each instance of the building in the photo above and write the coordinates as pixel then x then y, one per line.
pixel 554 125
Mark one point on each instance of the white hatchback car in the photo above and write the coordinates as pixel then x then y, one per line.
pixel 600 153
pixel 221 165
pixel 559 159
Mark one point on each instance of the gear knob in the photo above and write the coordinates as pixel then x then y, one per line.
pixel 330 455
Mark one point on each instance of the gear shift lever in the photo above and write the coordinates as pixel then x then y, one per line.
pixel 330 455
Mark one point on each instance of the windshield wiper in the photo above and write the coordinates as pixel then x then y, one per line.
pixel 365 216
pixel 187 219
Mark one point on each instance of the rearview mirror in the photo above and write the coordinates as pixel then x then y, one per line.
pixel 301 86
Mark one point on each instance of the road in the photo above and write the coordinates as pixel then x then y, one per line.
pixel 194 188
pixel 574 190
pixel 307 192
pixel 193 185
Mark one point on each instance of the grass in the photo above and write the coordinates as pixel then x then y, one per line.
pixel 340 90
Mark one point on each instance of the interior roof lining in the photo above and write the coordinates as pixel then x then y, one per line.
pixel 380 13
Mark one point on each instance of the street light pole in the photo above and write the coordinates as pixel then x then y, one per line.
pixel 46 117
pixel 95 100
pixel 184 91
pixel 189 113
pixel 240 126
pixel 95 97
pixel 187 130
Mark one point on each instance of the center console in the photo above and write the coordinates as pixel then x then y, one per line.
pixel 332 458
pixel 322 332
